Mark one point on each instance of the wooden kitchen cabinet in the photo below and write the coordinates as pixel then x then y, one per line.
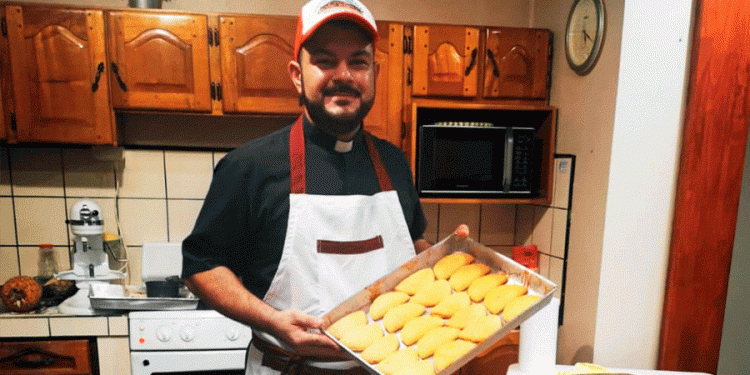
pixel 445 60
pixel 517 63
pixel 58 63
pixel 159 61
pixel 47 357
pixel 5 87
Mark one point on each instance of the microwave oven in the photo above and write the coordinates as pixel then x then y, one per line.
pixel 477 160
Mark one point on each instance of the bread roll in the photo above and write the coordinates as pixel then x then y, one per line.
pixel 479 287
pixel 435 337
pixel 449 352
pixel 431 294
pixel 360 337
pixel 465 275
pixel 445 267
pixel 401 359
pixel 468 314
pixel 418 327
pixel 381 348
pixel 418 368
pixel 499 296
pixel 385 302
pixel 479 329
pixel 450 304
pixel 518 305
pixel 396 317
pixel 414 282
pixel 347 323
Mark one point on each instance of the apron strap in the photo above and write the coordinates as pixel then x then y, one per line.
pixel 297 160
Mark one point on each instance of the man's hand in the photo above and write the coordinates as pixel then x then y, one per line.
pixel 462 230
pixel 298 331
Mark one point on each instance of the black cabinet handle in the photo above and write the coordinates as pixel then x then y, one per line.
pixel 472 62
pixel 99 70
pixel 116 71
pixel 495 70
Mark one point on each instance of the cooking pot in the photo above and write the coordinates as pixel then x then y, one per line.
pixel 170 287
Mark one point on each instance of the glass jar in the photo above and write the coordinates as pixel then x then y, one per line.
pixel 47 261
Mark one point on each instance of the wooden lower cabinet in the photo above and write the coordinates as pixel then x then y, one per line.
pixel 496 359
pixel 64 357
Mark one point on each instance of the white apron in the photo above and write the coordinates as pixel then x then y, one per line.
pixel 334 246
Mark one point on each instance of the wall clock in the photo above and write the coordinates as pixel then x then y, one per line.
pixel 584 34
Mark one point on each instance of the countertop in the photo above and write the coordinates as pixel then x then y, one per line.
pixel 50 322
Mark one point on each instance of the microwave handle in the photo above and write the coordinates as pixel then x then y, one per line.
pixel 508 170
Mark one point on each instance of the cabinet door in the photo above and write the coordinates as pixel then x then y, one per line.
pixel 159 61
pixel 384 119
pixel 5 102
pixel 58 66
pixel 445 61
pixel 255 51
pixel 517 63
pixel 46 357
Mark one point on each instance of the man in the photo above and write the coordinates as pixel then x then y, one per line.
pixel 300 220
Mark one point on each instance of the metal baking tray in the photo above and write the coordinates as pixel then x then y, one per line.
pixel 131 299
pixel 517 274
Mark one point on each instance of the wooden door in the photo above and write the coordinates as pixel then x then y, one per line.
pixel 384 119
pixel 159 61
pixel 445 61
pixel 255 51
pixel 58 66
pixel 517 63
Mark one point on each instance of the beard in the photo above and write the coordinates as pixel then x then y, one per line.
pixel 336 124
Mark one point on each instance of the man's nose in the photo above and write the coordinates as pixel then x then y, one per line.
pixel 343 72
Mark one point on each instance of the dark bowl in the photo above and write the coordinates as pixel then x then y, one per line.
pixel 164 288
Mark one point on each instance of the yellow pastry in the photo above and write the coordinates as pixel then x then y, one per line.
pixel 449 263
pixel 499 296
pixel 468 314
pixel 400 359
pixel 427 345
pixel 381 348
pixel 396 317
pixel 464 275
pixel 418 368
pixel 449 352
pixel 414 282
pixel 518 305
pixel 431 294
pixel 347 323
pixel 418 327
pixel 385 302
pixel 481 328
pixel 479 287
pixel 449 305
pixel 360 337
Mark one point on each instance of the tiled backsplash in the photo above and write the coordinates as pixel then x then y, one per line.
pixel 157 194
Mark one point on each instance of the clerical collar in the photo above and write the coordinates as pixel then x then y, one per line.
pixel 326 140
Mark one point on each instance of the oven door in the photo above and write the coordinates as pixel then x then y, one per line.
pixel 188 362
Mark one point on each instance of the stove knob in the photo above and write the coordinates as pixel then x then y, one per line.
pixel 187 334
pixel 164 333
pixel 233 334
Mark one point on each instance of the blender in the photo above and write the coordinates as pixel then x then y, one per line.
pixel 88 256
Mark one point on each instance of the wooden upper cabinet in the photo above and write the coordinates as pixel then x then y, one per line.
pixel 159 61
pixel 58 65
pixel 5 87
pixel 384 119
pixel 255 52
pixel 517 63
pixel 445 61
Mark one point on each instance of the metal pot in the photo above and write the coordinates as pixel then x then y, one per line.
pixel 153 4
pixel 170 287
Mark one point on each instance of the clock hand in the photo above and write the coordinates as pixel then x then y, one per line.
pixel 586 36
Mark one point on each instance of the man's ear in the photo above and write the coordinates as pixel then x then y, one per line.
pixel 295 73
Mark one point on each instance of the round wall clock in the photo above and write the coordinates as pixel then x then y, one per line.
pixel 584 34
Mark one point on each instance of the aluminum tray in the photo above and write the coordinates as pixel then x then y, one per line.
pixel 115 297
pixel 517 274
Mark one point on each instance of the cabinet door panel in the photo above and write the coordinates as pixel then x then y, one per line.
pixel 255 51
pixel 384 119
pixel 46 357
pixel 5 86
pixel 517 63
pixel 58 58
pixel 445 61
pixel 159 61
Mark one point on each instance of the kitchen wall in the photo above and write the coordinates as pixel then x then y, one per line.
pixel 154 195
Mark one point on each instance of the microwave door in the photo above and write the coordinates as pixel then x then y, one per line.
pixel 508 170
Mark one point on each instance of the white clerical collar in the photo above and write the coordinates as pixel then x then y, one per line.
pixel 343 146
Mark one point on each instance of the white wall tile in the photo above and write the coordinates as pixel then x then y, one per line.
pixel 543 229
pixel 37 171
pixel 218 155
pixel 188 173
pixel 41 220
pixel 86 176
pixel 544 264
pixel 431 211
pixel 143 220
pixel 497 224
pixel 507 251
pixel 182 216
pixel 143 174
pixel 559 229
pixel 9 260
pixel 452 215
pixel 561 188
pixel 7 222
pixel 134 268
pixel 524 225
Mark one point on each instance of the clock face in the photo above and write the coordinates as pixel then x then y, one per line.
pixel 584 34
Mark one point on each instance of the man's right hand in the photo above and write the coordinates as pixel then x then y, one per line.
pixel 301 332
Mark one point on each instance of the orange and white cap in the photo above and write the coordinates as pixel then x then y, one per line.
pixel 317 12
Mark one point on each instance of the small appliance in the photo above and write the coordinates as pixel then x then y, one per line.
pixel 88 256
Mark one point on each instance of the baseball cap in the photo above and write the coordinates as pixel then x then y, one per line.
pixel 317 12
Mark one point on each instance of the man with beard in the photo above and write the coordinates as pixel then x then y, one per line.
pixel 299 220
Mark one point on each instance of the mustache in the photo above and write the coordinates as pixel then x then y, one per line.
pixel 341 89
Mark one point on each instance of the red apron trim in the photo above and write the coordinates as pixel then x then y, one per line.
pixel 350 247
pixel 297 158
pixel 377 164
